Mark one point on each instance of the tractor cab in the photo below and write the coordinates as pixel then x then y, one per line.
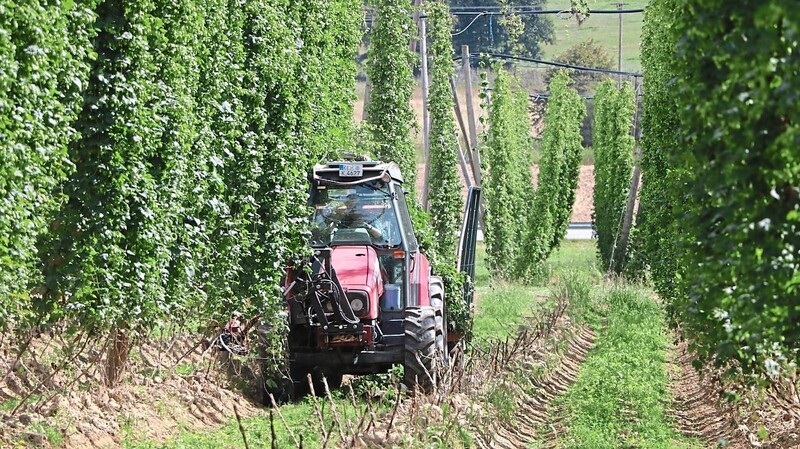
pixel 359 204
pixel 367 299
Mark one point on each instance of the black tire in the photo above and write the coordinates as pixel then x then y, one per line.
pixel 299 382
pixel 334 379
pixel 297 388
pixel 332 376
pixel 420 352
pixel 437 297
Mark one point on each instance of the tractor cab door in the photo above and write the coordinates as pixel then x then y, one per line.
pixel 411 254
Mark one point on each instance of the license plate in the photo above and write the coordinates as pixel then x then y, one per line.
pixel 345 338
pixel 351 170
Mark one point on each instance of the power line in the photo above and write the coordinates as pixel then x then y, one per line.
pixel 542 12
pixel 502 56
pixel 542 95
pixel 480 11
pixel 488 11
pixel 546 96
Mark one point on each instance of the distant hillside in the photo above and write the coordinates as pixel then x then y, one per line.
pixel 604 28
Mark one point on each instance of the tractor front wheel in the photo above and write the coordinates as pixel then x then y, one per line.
pixel 420 356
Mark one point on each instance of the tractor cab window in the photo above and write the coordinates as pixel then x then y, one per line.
pixel 408 228
pixel 361 215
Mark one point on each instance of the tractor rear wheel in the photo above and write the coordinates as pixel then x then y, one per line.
pixel 421 352
pixel 332 376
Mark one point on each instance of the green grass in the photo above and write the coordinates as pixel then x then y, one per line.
pixel 603 28
pixel 501 307
pixel 620 395
pixel 300 417
pixel 184 369
pixel 572 256
pixel 8 405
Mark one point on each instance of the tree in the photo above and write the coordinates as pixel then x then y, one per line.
pixel 586 54
pixel 488 34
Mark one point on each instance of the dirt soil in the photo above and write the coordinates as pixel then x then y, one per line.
pixel 169 385
pixel 536 409
pixel 701 412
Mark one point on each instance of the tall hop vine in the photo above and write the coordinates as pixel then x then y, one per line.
pixel 112 252
pixel 559 165
pixel 446 203
pixel 507 183
pixel 43 74
pixel 390 118
pixel 184 185
pixel 613 153
pixel 656 226
pixel 561 142
pixel 732 184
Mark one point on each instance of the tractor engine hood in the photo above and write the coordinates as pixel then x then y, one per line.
pixel 358 270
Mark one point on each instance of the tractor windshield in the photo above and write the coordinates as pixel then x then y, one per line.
pixel 361 215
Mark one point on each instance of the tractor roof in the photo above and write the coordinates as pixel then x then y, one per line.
pixel 346 173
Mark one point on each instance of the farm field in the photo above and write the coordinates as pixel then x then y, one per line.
pixel 574 360
pixel 501 309
pixel 202 242
pixel 606 376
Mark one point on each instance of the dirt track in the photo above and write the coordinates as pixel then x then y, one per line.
pixel 535 409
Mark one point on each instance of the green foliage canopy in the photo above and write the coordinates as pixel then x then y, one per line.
pixel 166 145
pixel 560 163
pixel 507 182
pixel 586 54
pixel 524 226
pixel 730 200
pixel 43 69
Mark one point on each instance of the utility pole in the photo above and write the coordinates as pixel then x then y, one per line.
pixel 473 131
pixel 426 125
pixel 627 223
pixel 619 47
pixel 460 118
pixel 472 141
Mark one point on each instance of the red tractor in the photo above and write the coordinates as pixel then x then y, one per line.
pixel 368 299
